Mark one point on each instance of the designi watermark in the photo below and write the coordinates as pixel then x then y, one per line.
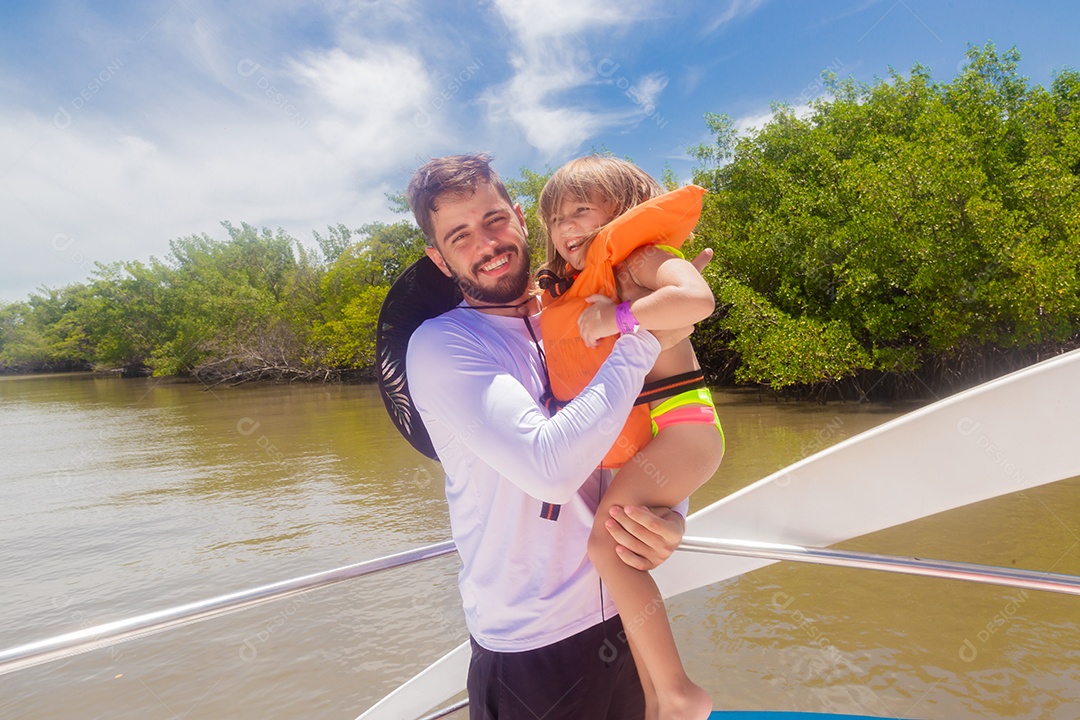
pixel 248 68
pixel 968 427
pixel 247 427
pixel 607 68
pixel 422 118
pixel 969 651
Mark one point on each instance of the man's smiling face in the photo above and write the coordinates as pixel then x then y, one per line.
pixel 480 242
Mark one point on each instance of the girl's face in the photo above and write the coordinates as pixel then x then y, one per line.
pixel 574 222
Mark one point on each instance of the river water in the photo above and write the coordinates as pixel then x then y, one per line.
pixel 123 496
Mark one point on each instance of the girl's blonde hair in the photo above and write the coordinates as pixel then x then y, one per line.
pixel 593 177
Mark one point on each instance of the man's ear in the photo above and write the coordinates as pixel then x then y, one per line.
pixel 437 258
pixel 521 219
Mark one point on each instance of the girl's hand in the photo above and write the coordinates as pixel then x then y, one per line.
pixel 597 320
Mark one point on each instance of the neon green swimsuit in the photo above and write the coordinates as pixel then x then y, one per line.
pixel 691 406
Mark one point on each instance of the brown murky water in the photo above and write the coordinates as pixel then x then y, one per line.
pixel 124 496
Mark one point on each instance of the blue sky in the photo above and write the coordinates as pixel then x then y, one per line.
pixel 126 124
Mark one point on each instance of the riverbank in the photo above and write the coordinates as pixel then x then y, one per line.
pixel 933 381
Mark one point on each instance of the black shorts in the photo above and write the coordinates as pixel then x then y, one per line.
pixel 588 676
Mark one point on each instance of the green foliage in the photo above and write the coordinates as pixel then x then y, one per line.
pixel 526 192
pixel 713 156
pixel 353 288
pixel 258 303
pixel 348 339
pixel 376 259
pixel 335 242
pixel 782 350
pixel 669 179
pixel 901 222
pixel 399 203
pixel 123 313
pixel 44 333
pixel 221 298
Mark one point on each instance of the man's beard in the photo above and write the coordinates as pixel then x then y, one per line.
pixel 506 289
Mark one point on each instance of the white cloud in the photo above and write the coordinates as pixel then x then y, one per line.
pixel 319 143
pixel 648 88
pixel 554 18
pixel 530 98
pixel 550 58
pixel 366 103
pixel 748 124
pixel 734 9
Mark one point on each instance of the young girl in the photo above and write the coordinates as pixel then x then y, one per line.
pixel 656 290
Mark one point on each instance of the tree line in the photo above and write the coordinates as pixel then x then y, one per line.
pixel 901 237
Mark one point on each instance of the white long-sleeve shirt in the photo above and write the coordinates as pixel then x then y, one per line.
pixel 475 378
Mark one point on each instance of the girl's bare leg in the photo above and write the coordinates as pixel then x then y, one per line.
pixel 674 464
pixel 652 708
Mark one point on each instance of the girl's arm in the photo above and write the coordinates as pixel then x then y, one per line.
pixel 680 296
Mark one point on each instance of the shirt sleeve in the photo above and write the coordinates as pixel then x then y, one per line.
pixel 465 396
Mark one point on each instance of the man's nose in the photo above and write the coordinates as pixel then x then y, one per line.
pixel 489 237
pixel 485 241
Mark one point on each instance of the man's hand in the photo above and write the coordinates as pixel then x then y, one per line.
pixel 670 338
pixel 645 537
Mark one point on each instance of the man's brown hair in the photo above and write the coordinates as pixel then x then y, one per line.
pixel 455 175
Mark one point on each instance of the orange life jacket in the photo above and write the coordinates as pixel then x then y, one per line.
pixel 667 220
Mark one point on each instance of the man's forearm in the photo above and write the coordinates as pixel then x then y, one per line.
pixel 565 449
pixel 474 406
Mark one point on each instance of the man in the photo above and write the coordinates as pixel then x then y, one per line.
pixel 522 486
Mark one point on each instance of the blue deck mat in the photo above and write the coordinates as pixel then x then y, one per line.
pixel 750 715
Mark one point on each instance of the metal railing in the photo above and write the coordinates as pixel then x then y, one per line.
pixel 448 710
pixel 100 636
pixel 988 574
